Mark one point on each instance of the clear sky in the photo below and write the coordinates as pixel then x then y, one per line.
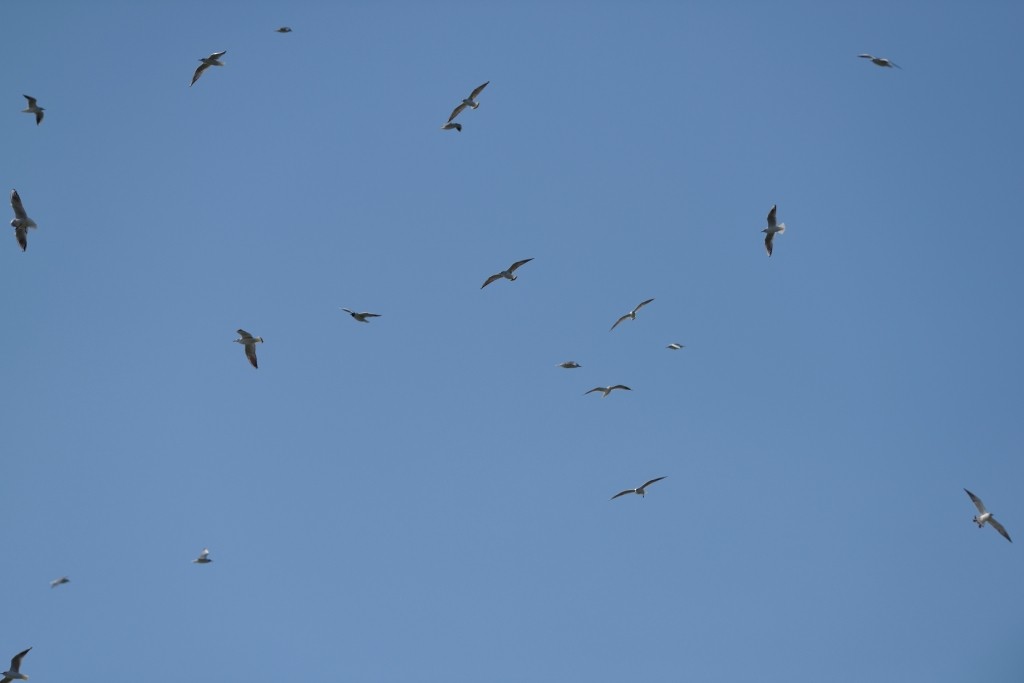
pixel 426 497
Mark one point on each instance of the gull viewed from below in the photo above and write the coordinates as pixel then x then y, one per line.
pixel 607 390
pixel 881 61
pixel 284 29
pixel 451 125
pixel 468 102
pixel 507 274
pixel 772 229
pixel 207 62
pixel 14 673
pixel 632 314
pixel 361 317
pixel 33 108
pixel 249 342
pixel 58 582
pixel 569 364
pixel 21 222
pixel 639 490
pixel 204 557
pixel 984 516
pixel 675 347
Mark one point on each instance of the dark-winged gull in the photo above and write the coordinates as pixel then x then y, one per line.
pixel 204 557
pixel 21 222
pixel 60 581
pixel 881 61
pixel 207 62
pixel 639 490
pixel 632 314
pixel 249 342
pixel 284 29
pixel 986 516
pixel 468 102
pixel 14 674
pixel 451 125
pixel 361 317
pixel 507 274
pixel 569 364
pixel 33 108
pixel 772 229
pixel 607 390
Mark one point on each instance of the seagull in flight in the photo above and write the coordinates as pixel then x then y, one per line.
pixel 675 347
pixel 632 314
pixel 207 62
pixel 361 317
pixel 15 673
pixel 881 61
pixel 58 582
pixel 21 222
pixel 249 342
pixel 204 558
pixel 607 390
pixel 639 490
pixel 33 108
pixel 451 125
pixel 569 364
pixel 772 229
pixel 468 102
pixel 507 274
pixel 284 29
pixel 986 516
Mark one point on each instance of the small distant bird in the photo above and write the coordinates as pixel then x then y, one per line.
pixel 570 364
pixel 507 274
pixel 33 108
pixel 249 342
pixel 772 229
pixel 58 582
pixel 15 673
pixel 361 317
pixel 638 490
pixel 986 516
pixel 468 102
pixel 675 347
pixel 204 558
pixel 607 390
pixel 284 29
pixel 207 62
pixel 21 222
pixel 881 61
pixel 452 126
pixel 632 314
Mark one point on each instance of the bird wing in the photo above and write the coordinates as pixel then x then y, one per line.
pixel 618 321
pixel 199 72
pixel 218 55
pixel 348 311
pixel 477 91
pixel 31 101
pixel 894 64
pixel 866 56
pixel 203 555
pixel 593 390
pixel 19 209
pixel 39 116
pixel 768 238
pixel 457 111
pixel 371 315
pixel 651 482
pixel 619 386
pixel 250 353
pixel 21 234
pixel 999 527
pixel 977 502
pixel 622 493
pixel 490 280
pixel 641 305
pixel 16 661
pixel 244 335
pixel 515 265
pixel 771 216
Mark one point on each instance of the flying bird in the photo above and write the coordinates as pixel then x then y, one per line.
pixel 451 125
pixel 468 102
pixel 361 317
pixel 881 61
pixel 569 364
pixel 772 229
pixel 207 62
pixel 204 558
pixel 632 314
pixel 639 490
pixel 249 342
pixel 33 108
pixel 15 671
pixel 507 274
pixel 284 29
pixel 607 390
pixel 21 222
pixel 675 347
pixel 58 582
pixel 986 516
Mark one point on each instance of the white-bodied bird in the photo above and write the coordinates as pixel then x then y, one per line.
pixel 361 317
pixel 207 62
pixel 451 125
pixel 14 674
pixel 632 314
pixel 60 581
pixel 639 490
pixel 21 222
pixel 468 102
pixel 881 61
pixel 507 274
pixel 249 342
pixel 607 390
pixel 675 347
pixel 33 108
pixel 986 516
pixel 772 229
pixel 204 557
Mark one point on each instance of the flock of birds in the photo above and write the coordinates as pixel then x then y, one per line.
pixel 22 223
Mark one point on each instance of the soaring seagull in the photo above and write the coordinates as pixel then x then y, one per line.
pixel 569 364
pixel 21 222
pixel 772 229
pixel 58 582
pixel 207 62
pixel 361 317
pixel 33 108
pixel 284 29
pixel 675 347
pixel 249 342
pixel 639 490
pixel 986 516
pixel 632 314
pixel 607 390
pixel 15 674
pixel 204 557
pixel 507 274
pixel 451 125
pixel 881 61
pixel 468 102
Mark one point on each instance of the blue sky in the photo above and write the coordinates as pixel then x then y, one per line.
pixel 426 497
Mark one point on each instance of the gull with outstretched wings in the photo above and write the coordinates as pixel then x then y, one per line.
pixel 207 62
pixel 639 490
pixel 249 342
pixel 468 102
pixel 507 274
pixel 21 222
pixel 607 390
pixel 881 61
pixel 984 516
pixel 772 229
pixel 14 674
pixel 632 314
pixel 33 108
pixel 361 317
